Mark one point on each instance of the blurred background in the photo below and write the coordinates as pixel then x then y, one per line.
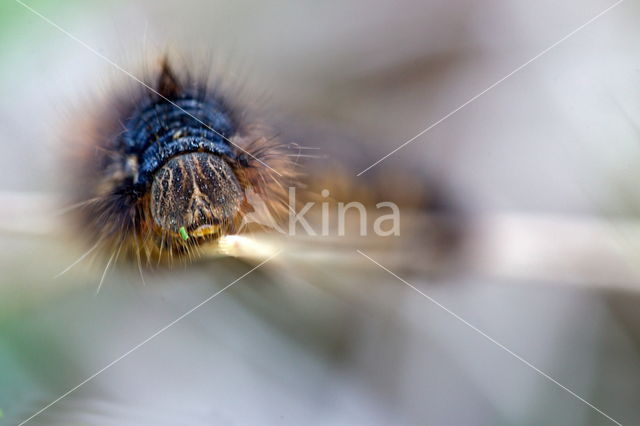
pixel 543 167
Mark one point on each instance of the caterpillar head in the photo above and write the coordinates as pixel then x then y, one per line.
pixel 196 194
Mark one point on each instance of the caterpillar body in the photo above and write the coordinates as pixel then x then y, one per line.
pixel 166 170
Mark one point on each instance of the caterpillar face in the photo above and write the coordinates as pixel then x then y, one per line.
pixel 197 193
pixel 168 170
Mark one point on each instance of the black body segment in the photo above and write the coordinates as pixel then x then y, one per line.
pixel 161 130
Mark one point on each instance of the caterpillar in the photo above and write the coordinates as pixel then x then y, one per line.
pixel 166 169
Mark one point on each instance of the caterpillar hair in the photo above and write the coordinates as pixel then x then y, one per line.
pixel 167 168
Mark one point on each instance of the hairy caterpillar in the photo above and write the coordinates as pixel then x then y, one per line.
pixel 163 171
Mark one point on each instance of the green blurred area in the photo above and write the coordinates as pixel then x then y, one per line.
pixel 16 18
